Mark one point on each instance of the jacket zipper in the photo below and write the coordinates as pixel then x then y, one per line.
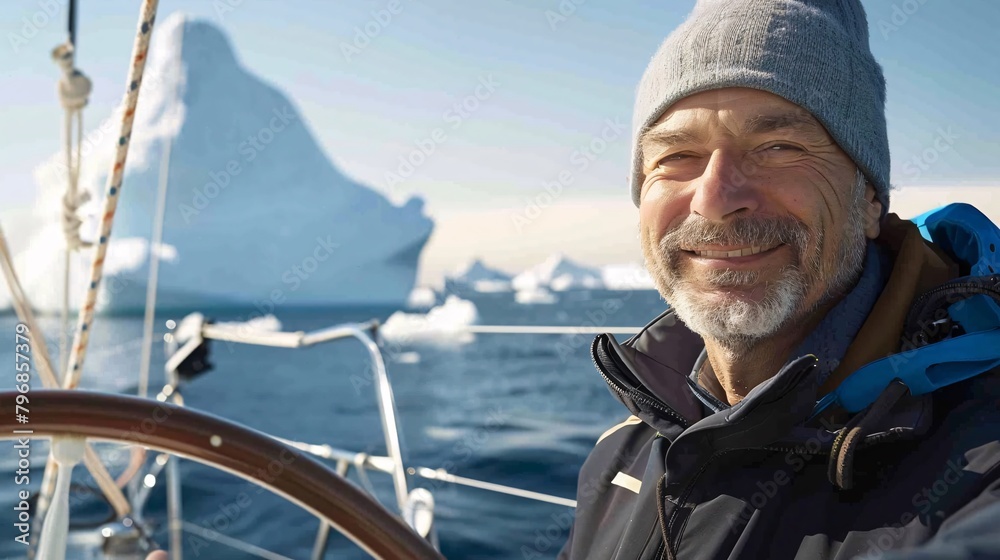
pixel 667 553
pixel 624 392
pixel 884 437
pixel 664 550
pixel 789 448
pixel 972 286
pixel 869 441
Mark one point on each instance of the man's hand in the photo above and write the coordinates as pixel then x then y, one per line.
pixel 157 555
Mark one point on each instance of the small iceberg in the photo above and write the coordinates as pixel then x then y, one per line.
pixel 267 323
pixel 533 296
pixel 629 276
pixel 406 358
pixel 479 278
pixel 559 273
pixel 421 297
pixel 443 324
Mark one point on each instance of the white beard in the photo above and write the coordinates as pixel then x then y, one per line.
pixel 737 323
pixel 734 319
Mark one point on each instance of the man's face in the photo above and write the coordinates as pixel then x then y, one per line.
pixel 751 216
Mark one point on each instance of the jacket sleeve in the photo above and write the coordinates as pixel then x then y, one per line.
pixel 598 520
pixel 567 549
pixel 974 534
pixel 583 510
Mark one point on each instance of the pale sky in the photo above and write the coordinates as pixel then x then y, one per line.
pixel 558 82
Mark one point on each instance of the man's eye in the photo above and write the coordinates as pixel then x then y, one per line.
pixel 672 158
pixel 781 147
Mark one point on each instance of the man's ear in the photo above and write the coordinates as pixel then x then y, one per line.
pixel 873 212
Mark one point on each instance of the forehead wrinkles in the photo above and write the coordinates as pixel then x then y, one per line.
pixel 695 121
pixel 700 124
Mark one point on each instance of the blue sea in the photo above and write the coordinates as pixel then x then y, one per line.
pixel 514 409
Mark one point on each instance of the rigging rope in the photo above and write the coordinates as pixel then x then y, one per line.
pixel 74 91
pixel 139 49
pixel 41 359
pixel 85 317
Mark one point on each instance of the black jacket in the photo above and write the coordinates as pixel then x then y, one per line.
pixel 909 477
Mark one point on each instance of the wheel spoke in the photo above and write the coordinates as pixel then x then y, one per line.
pixel 67 451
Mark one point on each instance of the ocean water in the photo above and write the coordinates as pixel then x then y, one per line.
pixel 513 409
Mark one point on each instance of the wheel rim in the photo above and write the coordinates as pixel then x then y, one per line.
pixel 227 446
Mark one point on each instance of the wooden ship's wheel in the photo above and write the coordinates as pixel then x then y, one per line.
pixel 225 445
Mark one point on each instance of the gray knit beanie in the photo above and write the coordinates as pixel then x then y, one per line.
pixel 813 53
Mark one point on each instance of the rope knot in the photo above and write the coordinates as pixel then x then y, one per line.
pixel 71 222
pixel 74 86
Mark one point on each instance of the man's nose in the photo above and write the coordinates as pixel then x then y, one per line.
pixel 723 188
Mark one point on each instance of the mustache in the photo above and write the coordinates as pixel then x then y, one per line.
pixel 698 231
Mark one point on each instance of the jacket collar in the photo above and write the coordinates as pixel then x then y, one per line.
pixel 650 373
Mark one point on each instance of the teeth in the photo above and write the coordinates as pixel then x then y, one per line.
pixel 731 254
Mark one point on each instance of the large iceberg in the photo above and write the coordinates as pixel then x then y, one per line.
pixel 256 213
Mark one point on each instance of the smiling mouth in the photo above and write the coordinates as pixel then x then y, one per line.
pixel 732 253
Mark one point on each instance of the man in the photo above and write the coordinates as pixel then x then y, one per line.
pixel 761 173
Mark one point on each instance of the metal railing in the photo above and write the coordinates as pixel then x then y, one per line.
pixel 194 331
